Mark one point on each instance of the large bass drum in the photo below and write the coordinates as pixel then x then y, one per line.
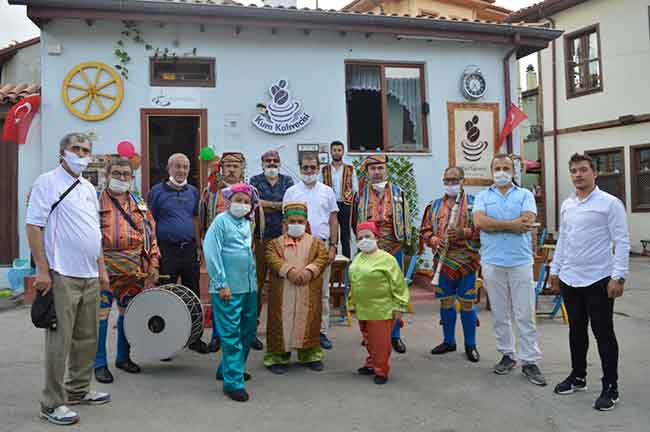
pixel 161 321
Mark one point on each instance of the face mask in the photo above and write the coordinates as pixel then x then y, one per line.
pixel 367 245
pixel 239 210
pixel 502 178
pixel 309 178
pixel 75 163
pixel 452 190
pixel 271 172
pixel 118 186
pixel 295 230
pixel 379 186
pixel 177 184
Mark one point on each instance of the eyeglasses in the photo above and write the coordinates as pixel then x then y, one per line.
pixel 120 174
pixel 272 160
pixel 310 167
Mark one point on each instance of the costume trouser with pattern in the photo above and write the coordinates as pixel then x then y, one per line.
pixel 73 342
pixel 122 290
pixel 377 334
pixel 236 321
pixel 463 289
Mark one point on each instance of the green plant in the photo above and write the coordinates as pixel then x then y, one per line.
pixel 402 173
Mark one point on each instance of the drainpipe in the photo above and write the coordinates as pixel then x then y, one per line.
pixel 556 185
pixel 506 83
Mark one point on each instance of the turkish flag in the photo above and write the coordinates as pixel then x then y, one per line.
pixel 19 119
pixel 513 118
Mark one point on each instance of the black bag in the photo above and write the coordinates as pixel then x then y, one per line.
pixel 43 311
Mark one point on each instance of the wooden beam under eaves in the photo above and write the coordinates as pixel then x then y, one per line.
pixel 237 30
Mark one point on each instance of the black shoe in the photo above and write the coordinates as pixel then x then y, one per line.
pixel 472 354
pixel 399 346
pixel 128 366
pixel 365 371
pixel 504 366
pixel 278 369
pixel 325 343
pixel 103 375
pixel 215 344
pixel 239 395
pixel 247 376
pixel 199 346
pixel 443 348
pixel 168 359
pixel 608 398
pixel 570 385
pixel 534 374
pixel 316 366
pixel 380 379
pixel 257 344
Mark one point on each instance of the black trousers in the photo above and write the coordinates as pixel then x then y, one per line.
pixel 587 304
pixel 181 260
pixel 344 227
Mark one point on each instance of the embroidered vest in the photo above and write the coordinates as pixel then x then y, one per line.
pixel 465 211
pixel 346 182
pixel 143 209
pixel 401 226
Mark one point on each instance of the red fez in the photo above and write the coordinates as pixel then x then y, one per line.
pixel 370 225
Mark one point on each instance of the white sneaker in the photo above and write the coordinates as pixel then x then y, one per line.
pixel 92 398
pixel 61 415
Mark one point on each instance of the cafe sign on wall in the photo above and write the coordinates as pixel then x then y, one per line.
pixel 283 115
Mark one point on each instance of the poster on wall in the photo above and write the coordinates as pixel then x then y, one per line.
pixel 473 130
pixel 283 115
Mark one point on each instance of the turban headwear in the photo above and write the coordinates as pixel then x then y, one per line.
pixel 370 226
pixel 374 160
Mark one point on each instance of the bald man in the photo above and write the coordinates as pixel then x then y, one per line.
pixel 174 205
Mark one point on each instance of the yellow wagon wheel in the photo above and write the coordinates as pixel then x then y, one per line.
pixel 96 99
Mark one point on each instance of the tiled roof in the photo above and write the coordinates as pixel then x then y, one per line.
pixel 11 49
pixel 541 10
pixel 12 93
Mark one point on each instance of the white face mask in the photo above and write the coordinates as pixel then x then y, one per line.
pixel 118 186
pixel 177 184
pixel 295 230
pixel 309 179
pixel 452 190
pixel 239 210
pixel 379 186
pixel 271 172
pixel 367 245
pixel 75 163
pixel 502 178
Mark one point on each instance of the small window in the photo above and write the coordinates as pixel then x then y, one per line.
pixel 583 62
pixel 610 169
pixel 385 107
pixel 640 180
pixel 182 72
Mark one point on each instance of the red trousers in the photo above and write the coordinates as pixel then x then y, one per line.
pixel 377 335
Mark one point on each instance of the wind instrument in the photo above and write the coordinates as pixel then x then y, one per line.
pixel 442 254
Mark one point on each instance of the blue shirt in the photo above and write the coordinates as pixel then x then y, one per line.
pixel 505 249
pixel 173 211
pixel 229 255
pixel 275 193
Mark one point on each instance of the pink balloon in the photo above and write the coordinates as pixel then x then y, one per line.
pixel 125 149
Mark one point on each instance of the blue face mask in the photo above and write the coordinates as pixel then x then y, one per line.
pixel 502 178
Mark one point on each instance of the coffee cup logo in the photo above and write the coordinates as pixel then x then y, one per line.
pixel 283 115
pixel 471 145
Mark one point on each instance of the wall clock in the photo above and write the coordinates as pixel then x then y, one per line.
pixel 473 83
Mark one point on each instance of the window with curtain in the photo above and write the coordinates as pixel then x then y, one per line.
pixel 583 62
pixel 640 167
pixel 385 107
pixel 610 169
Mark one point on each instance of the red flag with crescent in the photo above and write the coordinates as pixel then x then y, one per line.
pixel 513 118
pixel 19 119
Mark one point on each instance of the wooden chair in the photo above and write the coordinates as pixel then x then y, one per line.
pixel 542 282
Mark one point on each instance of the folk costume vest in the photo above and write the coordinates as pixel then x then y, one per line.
pixel 346 183
pixel 401 226
pixel 464 219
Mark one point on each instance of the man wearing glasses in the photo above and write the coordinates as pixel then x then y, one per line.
pixel 271 187
pixel 322 217
pixel 461 262
pixel 131 256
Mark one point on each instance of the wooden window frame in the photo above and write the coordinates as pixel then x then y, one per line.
pixel 583 34
pixel 384 105
pixel 621 181
pixel 210 61
pixel 636 208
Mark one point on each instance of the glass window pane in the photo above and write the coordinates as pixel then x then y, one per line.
pixel 363 99
pixel 576 78
pixel 594 74
pixel 404 109
pixel 593 45
pixel 575 50
pixel 644 160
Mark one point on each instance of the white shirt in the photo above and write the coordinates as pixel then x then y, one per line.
pixel 73 239
pixel 588 229
pixel 337 181
pixel 321 202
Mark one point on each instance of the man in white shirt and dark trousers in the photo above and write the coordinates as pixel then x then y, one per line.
pixel 64 236
pixel 322 218
pixel 590 276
